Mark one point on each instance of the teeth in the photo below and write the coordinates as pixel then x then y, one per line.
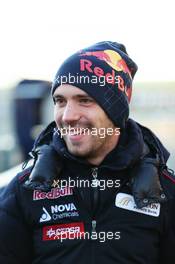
pixel 75 134
pixel 75 131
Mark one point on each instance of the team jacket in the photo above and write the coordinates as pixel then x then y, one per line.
pixel 89 215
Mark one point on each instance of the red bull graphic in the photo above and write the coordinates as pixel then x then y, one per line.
pixel 116 63
pixel 87 65
pixel 112 58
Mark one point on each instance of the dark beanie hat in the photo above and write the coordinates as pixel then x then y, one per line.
pixel 105 72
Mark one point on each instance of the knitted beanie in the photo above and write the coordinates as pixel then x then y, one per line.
pixel 105 72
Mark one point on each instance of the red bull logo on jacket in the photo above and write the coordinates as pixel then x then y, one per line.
pixel 54 193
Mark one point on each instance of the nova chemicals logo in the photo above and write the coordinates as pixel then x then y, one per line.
pixel 60 211
pixel 45 216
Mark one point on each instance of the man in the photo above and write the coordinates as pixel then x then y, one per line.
pixel 99 189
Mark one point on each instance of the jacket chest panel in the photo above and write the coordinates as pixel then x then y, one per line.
pixel 61 212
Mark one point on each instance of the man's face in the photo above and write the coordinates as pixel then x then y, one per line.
pixel 83 118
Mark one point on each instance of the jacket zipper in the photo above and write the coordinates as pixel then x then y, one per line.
pixel 95 196
pixel 94 223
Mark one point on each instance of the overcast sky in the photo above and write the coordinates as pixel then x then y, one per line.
pixel 37 35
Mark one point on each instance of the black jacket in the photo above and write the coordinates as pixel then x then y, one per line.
pixel 98 222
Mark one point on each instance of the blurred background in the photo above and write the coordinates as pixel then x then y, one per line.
pixel 36 36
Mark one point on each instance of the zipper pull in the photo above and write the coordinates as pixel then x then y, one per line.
pixel 95 181
pixel 94 224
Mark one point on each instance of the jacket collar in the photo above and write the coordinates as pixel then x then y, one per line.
pixel 128 150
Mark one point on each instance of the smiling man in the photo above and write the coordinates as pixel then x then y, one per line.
pixel 117 201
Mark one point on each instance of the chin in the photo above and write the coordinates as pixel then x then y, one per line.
pixel 78 152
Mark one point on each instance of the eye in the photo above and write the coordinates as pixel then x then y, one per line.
pixel 86 101
pixel 59 101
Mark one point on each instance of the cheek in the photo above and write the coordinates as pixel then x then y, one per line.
pixel 57 116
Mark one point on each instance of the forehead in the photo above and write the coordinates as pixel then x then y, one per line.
pixel 68 90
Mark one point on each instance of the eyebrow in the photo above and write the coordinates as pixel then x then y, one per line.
pixel 74 96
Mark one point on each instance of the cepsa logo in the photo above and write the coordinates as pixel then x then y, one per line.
pixel 54 193
pixel 63 231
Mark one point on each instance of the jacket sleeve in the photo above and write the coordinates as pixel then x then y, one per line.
pixel 15 236
pixel 167 249
pixel 167 239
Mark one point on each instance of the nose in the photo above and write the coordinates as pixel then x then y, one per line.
pixel 71 113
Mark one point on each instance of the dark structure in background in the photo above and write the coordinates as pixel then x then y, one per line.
pixel 28 99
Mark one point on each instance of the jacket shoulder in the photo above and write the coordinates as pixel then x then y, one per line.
pixel 16 248
pixel 24 175
pixel 167 180
pixel 13 186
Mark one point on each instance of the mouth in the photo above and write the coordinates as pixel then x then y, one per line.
pixel 77 133
pixel 76 137
pixel 77 130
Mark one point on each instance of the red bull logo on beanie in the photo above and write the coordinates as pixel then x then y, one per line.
pixel 112 58
pixel 87 65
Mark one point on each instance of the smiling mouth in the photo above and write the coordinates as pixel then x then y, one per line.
pixel 76 137
pixel 77 131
